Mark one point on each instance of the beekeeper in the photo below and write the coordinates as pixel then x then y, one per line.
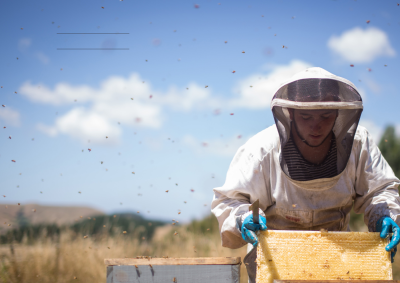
pixel 309 169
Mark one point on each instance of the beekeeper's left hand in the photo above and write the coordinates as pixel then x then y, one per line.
pixel 386 225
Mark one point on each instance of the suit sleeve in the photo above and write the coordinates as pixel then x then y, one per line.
pixel 376 185
pixel 247 180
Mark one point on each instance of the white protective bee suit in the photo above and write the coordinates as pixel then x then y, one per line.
pixel 364 179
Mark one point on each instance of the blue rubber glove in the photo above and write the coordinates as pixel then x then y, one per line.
pixel 386 225
pixel 249 229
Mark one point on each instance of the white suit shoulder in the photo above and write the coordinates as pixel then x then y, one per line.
pixel 362 134
pixel 258 146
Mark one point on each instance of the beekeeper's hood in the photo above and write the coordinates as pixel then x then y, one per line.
pixel 314 89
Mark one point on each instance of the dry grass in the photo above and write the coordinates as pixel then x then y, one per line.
pixel 83 259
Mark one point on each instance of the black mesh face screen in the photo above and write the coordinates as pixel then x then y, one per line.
pixel 313 90
pixel 318 90
pixel 301 93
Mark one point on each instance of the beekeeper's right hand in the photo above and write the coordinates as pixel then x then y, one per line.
pixel 249 229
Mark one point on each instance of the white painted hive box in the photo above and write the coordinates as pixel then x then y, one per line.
pixel 310 255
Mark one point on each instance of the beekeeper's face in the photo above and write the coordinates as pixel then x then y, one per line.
pixel 313 126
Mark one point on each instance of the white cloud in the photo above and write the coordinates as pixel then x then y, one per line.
pixel 226 147
pixel 372 85
pixel 107 106
pixel 96 112
pixel 256 91
pixel 42 57
pixel 186 99
pixel 361 46
pixel 24 43
pixel 9 116
pixel 375 131
pixel 84 125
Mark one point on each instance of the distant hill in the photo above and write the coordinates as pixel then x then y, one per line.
pixel 128 224
pixel 32 214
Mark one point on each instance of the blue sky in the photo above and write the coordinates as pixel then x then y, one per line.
pixel 165 104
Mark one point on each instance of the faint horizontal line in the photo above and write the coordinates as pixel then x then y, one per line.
pixel 92 48
pixel 92 32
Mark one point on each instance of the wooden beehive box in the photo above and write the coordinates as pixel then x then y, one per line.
pixel 310 255
pixel 179 270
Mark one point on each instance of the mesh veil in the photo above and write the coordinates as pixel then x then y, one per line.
pixel 316 89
